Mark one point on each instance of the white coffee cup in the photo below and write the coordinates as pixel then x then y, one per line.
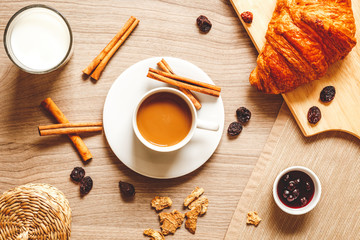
pixel 196 122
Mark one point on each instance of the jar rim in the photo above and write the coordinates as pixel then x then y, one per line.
pixel 11 56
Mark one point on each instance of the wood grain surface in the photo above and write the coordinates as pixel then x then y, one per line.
pixel 167 28
pixel 342 114
pixel 335 159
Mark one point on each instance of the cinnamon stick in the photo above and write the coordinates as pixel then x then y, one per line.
pixel 90 68
pixel 183 85
pixel 68 125
pixel 163 65
pixel 84 152
pixel 96 74
pixel 185 80
pixel 69 128
pixel 67 131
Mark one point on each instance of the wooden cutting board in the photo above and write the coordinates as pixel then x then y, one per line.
pixel 343 113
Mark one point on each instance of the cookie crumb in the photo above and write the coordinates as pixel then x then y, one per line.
pixel 171 221
pixel 191 219
pixel 155 235
pixel 253 218
pixel 196 193
pixel 160 203
pixel 203 202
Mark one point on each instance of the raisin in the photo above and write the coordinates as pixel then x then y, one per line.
pixel 314 115
pixel 86 185
pixel 247 17
pixel 77 174
pixel 234 129
pixel 127 189
pixel 203 23
pixel 243 114
pixel 327 94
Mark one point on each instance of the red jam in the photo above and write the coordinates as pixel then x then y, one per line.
pixel 295 189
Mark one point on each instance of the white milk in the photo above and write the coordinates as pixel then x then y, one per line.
pixel 40 39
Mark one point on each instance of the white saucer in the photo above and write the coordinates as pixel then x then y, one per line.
pixel 118 110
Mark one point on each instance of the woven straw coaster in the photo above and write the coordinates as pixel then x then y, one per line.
pixel 34 211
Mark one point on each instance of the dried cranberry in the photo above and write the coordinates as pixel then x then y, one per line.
pixel 297 181
pixel 290 198
pixel 307 186
pixel 327 94
pixel 296 193
pixel 291 186
pixel 203 23
pixel 286 178
pixel 243 114
pixel 286 193
pixel 127 189
pixel 247 17
pixel 77 174
pixel 86 185
pixel 314 115
pixel 234 129
pixel 304 201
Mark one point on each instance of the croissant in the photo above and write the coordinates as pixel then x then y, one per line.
pixel 303 38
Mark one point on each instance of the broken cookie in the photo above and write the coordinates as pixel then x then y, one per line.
pixel 159 203
pixel 155 235
pixel 203 202
pixel 196 193
pixel 191 219
pixel 171 221
pixel 253 218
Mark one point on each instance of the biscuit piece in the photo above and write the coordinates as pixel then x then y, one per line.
pixel 159 203
pixel 203 202
pixel 191 219
pixel 253 218
pixel 171 221
pixel 155 235
pixel 196 193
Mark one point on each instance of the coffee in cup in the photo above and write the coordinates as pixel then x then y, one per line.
pixel 165 120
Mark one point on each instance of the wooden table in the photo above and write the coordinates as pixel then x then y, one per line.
pixel 167 28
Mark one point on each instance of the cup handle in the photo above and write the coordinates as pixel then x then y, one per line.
pixel 212 126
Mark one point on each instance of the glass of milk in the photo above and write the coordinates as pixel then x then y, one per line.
pixel 38 39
